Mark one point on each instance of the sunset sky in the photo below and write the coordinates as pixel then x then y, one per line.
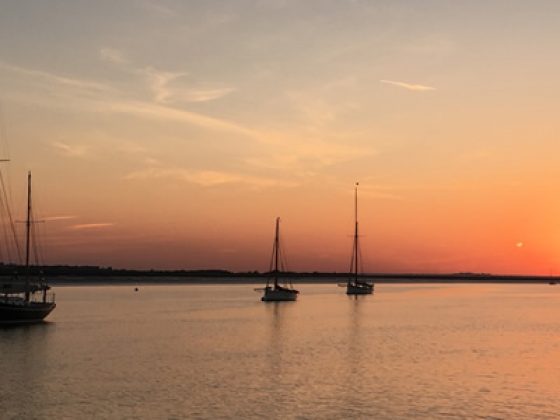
pixel 170 134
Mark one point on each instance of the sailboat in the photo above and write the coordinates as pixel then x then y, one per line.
pixel 274 292
pixel 354 286
pixel 27 302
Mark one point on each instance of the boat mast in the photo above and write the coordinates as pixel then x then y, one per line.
pixel 356 233
pixel 28 236
pixel 276 251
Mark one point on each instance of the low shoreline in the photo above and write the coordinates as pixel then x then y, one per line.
pixel 299 279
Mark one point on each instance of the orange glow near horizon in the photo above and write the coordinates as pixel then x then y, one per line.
pixel 174 140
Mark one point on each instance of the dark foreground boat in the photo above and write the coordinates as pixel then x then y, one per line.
pixel 354 285
pixel 23 301
pixel 273 291
pixel 16 310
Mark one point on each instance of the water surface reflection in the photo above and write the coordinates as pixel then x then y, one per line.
pixel 217 352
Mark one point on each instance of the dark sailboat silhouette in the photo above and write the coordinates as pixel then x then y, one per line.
pixel 355 286
pixel 27 301
pixel 275 292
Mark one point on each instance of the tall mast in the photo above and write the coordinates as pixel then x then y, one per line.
pixel 276 251
pixel 28 236
pixel 356 232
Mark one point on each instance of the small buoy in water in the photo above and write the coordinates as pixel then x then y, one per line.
pixel 136 289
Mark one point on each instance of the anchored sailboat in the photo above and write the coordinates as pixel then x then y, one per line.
pixel 28 302
pixel 354 285
pixel 276 292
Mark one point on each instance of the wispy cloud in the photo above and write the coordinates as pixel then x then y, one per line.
pixel 70 150
pixel 161 112
pixel 112 55
pixel 158 9
pixel 409 86
pixel 132 148
pixel 102 98
pixel 307 156
pixel 207 178
pixel 432 44
pixel 57 218
pixel 285 150
pixel 204 95
pixel 159 81
pixel 169 87
pixel 87 226
pixel 61 80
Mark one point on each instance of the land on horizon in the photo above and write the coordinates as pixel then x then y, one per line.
pixel 68 274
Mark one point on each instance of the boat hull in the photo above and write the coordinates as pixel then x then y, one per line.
pixel 24 313
pixel 279 295
pixel 359 289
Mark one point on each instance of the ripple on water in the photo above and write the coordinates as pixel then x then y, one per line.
pixel 461 351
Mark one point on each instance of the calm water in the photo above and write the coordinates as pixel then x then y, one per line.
pixel 488 351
